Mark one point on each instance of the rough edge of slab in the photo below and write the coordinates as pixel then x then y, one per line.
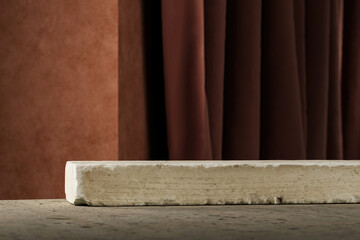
pixel 74 169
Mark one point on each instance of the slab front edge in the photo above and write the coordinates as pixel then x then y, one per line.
pixel 128 183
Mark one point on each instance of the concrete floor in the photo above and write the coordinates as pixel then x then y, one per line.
pixel 57 219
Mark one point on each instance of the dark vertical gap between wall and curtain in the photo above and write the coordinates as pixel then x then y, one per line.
pixel 154 77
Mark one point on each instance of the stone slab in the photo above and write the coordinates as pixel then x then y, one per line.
pixel 127 183
pixel 57 219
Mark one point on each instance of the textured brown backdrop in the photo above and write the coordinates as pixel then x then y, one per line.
pixel 59 90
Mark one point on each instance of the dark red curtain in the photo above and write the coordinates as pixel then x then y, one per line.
pixel 270 79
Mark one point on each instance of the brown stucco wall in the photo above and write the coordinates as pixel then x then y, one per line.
pixel 133 127
pixel 59 90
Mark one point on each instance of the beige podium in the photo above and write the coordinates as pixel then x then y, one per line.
pixel 129 183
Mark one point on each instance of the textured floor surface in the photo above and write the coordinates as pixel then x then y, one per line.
pixel 57 219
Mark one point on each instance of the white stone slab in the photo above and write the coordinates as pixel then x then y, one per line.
pixel 124 183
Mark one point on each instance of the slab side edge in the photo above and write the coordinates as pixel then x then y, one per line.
pixel 128 183
pixel 73 184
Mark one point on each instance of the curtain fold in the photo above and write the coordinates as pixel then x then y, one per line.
pixel 241 136
pixel 335 136
pixel 262 79
pixel 317 15
pixel 215 26
pixel 351 79
pixel 282 134
pixel 184 73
